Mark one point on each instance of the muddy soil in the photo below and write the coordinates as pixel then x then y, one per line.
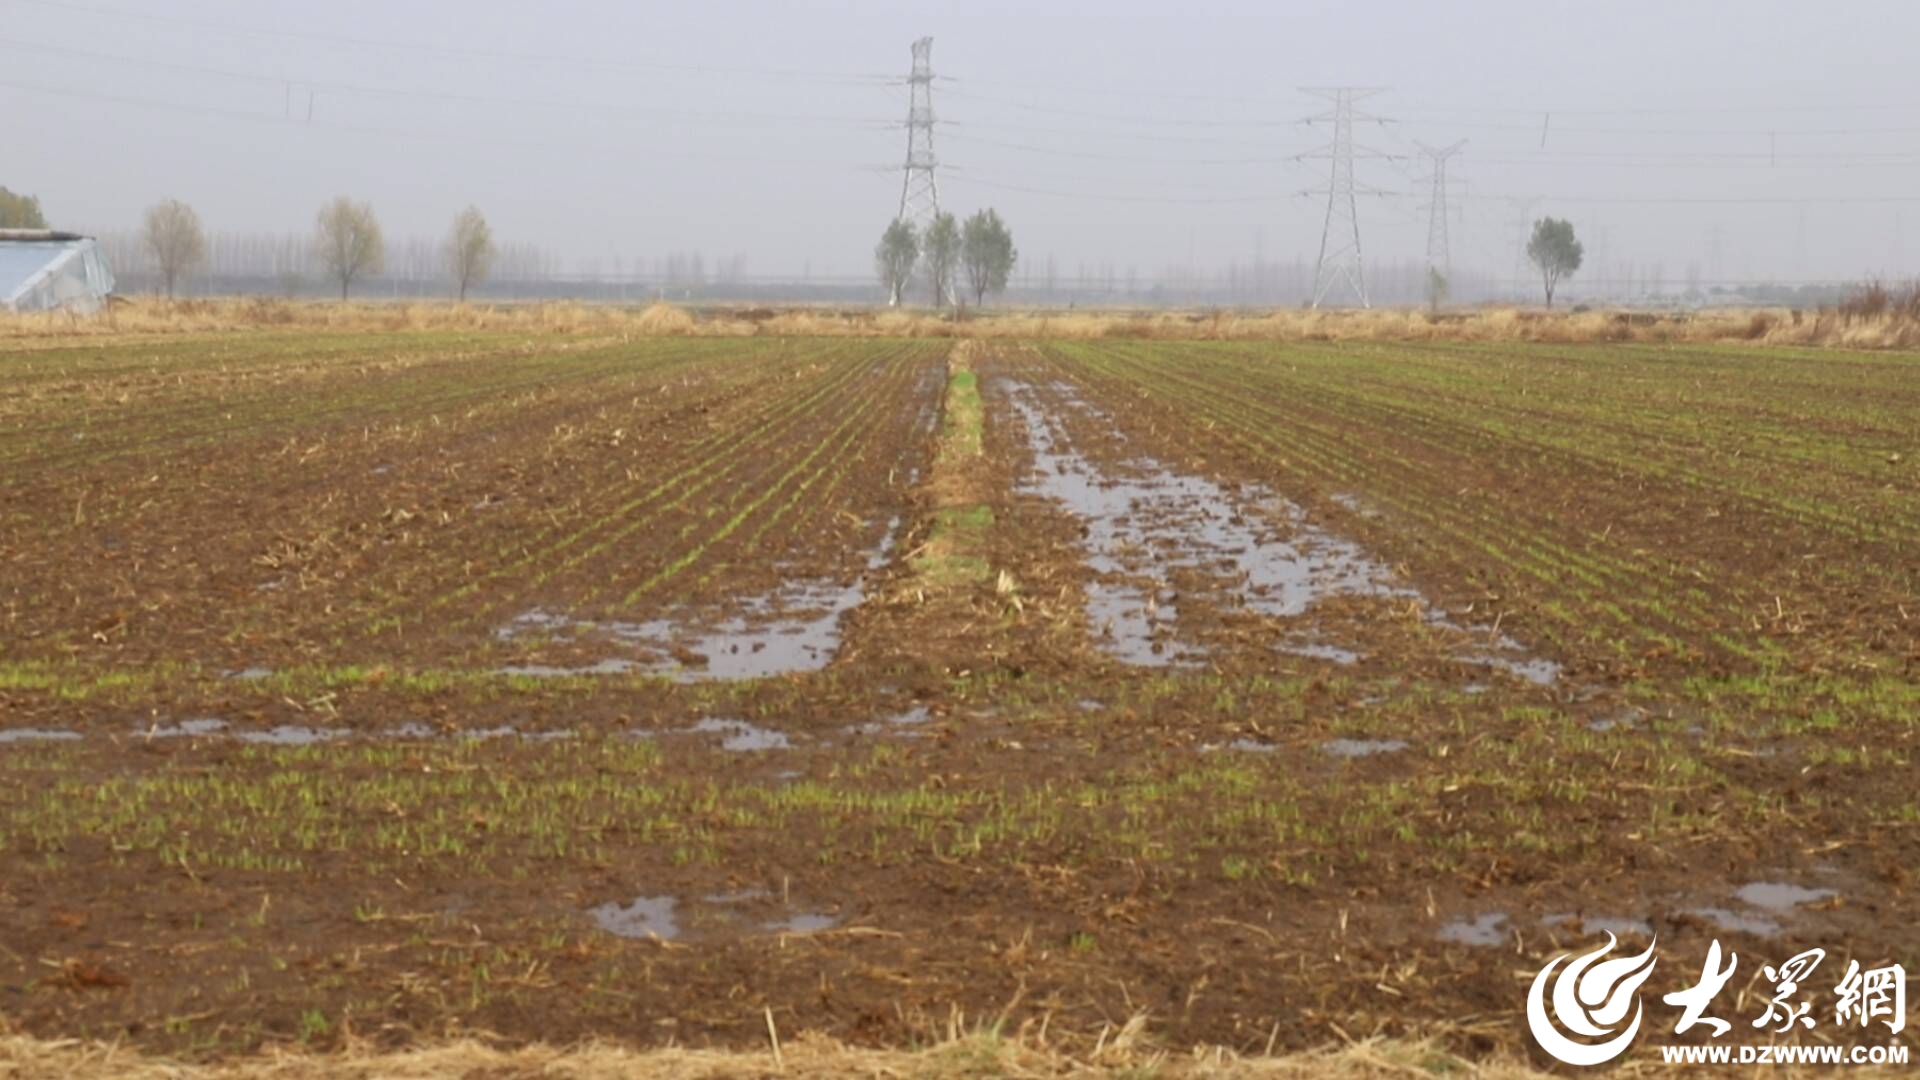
pixel 621 697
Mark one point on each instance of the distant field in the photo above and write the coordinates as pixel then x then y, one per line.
pixel 412 682
pixel 1872 321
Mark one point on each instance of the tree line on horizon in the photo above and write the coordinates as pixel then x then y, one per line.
pixel 347 241
pixel 979 252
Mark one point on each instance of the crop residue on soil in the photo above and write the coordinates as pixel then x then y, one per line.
pixel 371 686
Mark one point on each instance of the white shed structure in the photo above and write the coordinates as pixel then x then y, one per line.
pixel 43 270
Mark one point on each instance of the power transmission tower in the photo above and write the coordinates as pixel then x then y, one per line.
pixel 919 188
pixel 1340 252
pixel 1439 258
pixel 1602 258
pixel 1522 234
pixel 1800 271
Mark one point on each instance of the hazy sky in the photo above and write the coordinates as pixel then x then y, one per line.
pixel 1125 133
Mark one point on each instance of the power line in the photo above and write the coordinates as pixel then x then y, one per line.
pixel 278 120
pixel 434 95
pixel 1140 136
pixel 1728 161
pixel 1524 206
pixel 1024 175
pixel 1124 118
pixel 1132 92
pixel 1054 151
pixel 1563 129
pixel 968 178
pixel 1712 200
pixel 848 78
pixel 1608 158
pixel 1667 110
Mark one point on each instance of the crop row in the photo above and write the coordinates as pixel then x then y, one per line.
pixel 212 398
pixel 1532 500
pixel 609 491
pixel 637 522
pixel 1339 451
pixel 193 518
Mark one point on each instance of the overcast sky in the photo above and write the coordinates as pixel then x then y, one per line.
pixel 1134 134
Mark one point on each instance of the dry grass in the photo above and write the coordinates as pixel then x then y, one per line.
pixel 1892 324
pixel 978 1055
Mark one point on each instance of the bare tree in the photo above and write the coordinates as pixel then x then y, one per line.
pixel 176 240
pixel 894 256
pixel 347 240
pixel 940 251
pixel 470 250
pixel 987 254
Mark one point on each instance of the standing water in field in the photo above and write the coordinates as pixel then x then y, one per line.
pixel 792 628
pixel 722 915
pixel 1176 557
pixel 1145 524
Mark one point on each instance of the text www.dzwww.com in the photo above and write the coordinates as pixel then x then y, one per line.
pixel 1784 1055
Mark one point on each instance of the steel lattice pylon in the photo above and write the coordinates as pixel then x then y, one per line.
pixel 1341 257
pixel 919 187
pixel 1439 257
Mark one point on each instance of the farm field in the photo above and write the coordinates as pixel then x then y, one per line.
pixel 400 685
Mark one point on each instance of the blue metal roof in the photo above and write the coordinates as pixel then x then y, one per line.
pixel 18 262
pixel 37 275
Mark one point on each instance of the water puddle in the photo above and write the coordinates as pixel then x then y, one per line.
pixel 794 628
pixel 744 912
pixel 23 735
pixel 208 727
pixel 1320 651
pixel 646 917
pixel 1359 748
pixel 1483 932
pixel 1499 652
pixel 741 737
pixel 1763 905
pixel 1601 924
pixel 201 727
pixel 1356 504
pixel 1242 746
pixel 507 732
pixel 806 922
pixel 1152 521
pixel 1152 532
pixel 1777 896
pixel 899 725
pixel 1536 670
pixel 291 735
pixel 545 671
pixel 248 674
